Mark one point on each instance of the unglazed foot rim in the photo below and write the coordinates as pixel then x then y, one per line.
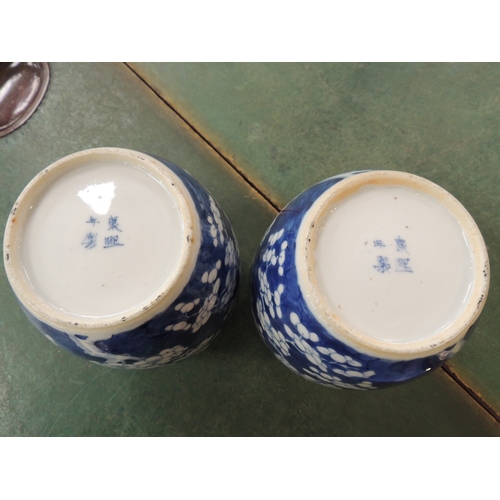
pixel 139 313
pixel 339 328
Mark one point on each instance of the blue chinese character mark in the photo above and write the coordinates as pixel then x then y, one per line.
pixel 383 264
pixel 378 243
pixel 401 245
pixel 113 223
pixel 112 241
pixel 90 240
pixel 402 266
pixel 92 220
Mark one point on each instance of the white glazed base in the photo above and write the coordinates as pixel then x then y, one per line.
pixel 101 240
pixel 393 265
pixel 98 248
pixel 122 259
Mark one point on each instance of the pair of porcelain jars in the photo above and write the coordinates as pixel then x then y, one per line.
pixel 364 280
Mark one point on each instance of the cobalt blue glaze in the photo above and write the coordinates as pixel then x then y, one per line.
pixel 194 318
pixel 291 330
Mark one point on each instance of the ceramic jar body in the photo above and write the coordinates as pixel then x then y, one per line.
pixel 294 331
pixel 181 326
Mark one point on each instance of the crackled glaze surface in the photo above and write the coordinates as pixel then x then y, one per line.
pixel 293 331
pixel 187 324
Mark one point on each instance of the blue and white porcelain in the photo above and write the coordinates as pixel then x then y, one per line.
pixel 122 258
pixel 322 256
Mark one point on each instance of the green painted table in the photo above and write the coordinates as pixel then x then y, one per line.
pixel 255 136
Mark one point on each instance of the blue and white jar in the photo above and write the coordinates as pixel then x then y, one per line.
pixel 369 279
pixel 122 258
